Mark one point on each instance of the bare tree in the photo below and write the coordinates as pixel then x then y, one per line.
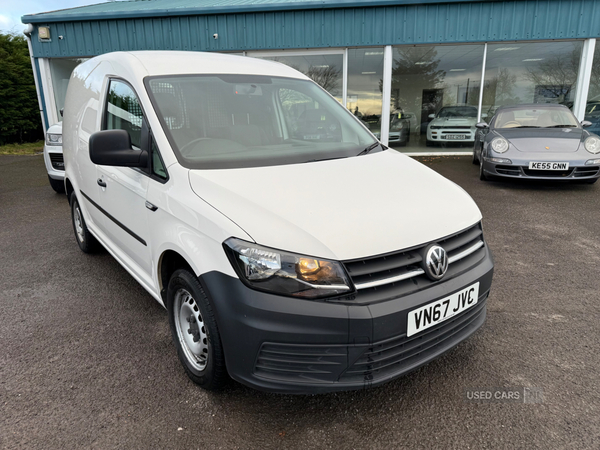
pixel 326 76
pixel 557 74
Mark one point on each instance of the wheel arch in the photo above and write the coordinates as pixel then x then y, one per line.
pixel 170 260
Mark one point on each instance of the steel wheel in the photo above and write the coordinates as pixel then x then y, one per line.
pixel 78 222
pixel 191 331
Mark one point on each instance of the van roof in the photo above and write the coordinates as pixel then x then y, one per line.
pixel 156 63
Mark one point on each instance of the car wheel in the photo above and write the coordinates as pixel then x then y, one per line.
pixel 482 175
pixel 195 332
pixel 87 243
pixel 428 143
pixel 57 185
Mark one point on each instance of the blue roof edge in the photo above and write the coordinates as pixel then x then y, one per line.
pixel 55 16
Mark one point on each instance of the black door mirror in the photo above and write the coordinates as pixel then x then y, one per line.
pixel 482 125
pixel 113 148
pixel 62 112
pixel 586 123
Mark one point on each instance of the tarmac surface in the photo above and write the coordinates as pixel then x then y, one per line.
pixel 86 358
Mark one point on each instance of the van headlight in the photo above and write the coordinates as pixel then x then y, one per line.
pixel 53 139
pixel 592 144
pixel 499 145
pixel 286 273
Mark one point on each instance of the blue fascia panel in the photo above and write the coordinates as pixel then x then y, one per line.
pixel 447 23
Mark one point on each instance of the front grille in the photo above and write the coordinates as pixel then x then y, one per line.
pixel 56 159
pixel 588 171
pixel 389 276
pixel 547 173
pixel 509 170
pixel 289 362
pixel 358 364
pixel 399 354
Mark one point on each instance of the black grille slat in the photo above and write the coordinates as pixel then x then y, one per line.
pixel 461 240
pixel 585 172
pixel 383 264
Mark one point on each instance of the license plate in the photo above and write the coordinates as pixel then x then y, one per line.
pixel 548 165
pixel 436 312
pixel 455 136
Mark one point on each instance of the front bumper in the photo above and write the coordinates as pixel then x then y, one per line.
pixel 520 169
pixel 295 346
pixel 444 134
pixel 53 159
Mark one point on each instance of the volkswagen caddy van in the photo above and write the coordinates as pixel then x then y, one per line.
pixel 293 252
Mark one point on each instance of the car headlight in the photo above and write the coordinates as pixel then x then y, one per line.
pixel 286 273
pixel 53 139
pixel 499 145
pixel 592 144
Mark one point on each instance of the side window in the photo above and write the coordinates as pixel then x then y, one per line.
pixel 123 111
pixel 158 167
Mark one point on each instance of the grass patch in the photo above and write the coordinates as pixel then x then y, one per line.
pixel 29 148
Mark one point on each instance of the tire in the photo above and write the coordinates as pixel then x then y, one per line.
pixel 195 332
pixel 475 159
pixel 57 185
pixel 482 175
pixel 428 143
pixel 87 243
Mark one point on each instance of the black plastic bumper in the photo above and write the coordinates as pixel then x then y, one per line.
pixel 288 345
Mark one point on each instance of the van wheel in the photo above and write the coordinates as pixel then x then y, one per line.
pixel 87 243
pixel 57 185
pixel 195 332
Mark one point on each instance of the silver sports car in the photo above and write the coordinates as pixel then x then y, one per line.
pixel 541 141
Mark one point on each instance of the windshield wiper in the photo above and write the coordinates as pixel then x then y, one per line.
pixel 561 126
pixel 527 126
pixel 368 149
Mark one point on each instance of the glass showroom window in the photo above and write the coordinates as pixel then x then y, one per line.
pixel 365 75
pixel 592 107
pixel 325 70
pixel 541 72
pixel 432 81
pixel 61 69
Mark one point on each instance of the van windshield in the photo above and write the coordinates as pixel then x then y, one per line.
pixel 234 121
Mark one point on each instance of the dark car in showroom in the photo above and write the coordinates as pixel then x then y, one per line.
pixel 539 141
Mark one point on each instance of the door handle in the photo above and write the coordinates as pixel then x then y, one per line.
pixel 101 182
pixel 151 207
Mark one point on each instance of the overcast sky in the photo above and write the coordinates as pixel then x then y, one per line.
pixel 11 11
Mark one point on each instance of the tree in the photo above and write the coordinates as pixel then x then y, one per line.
pixel 19 113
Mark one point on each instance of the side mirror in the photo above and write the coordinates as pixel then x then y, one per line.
pixel 482 125
pixel 113 148
pixel 586 123
pixel 431 116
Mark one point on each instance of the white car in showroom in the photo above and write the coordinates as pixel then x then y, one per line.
pixel 452 124
pixel 53 158
pixel 292 251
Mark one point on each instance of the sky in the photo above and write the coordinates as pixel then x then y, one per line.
pixel 12 10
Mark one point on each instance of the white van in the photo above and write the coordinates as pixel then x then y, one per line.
pixel 290 248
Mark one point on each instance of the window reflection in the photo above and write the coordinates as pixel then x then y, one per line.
pixel 365 81
pixel 541 72
pixel 325 70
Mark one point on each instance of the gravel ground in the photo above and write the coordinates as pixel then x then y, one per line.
pixel 86 359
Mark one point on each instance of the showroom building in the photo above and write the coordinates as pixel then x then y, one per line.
pixel 411 61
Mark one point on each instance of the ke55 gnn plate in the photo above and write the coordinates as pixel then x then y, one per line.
pixel 436 312
pixel 548 165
